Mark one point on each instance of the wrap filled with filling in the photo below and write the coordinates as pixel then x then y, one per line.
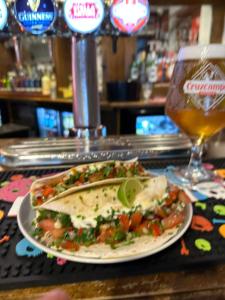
pixel 112 220
pixel 83 176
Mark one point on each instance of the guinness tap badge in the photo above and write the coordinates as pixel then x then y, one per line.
pixel 35 16
pixel 34 4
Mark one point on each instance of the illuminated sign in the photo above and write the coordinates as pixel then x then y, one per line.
pixel 35 16
pixel 129 16
pixel 83 16
pixel 3 14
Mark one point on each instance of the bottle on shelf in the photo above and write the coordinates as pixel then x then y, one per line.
pixel 36 79
pixel 46 83
pixel 53 86
pixel 146 85
pixel 134 70
pixel 151 64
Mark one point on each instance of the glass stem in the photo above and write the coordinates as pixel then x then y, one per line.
pixel 196 158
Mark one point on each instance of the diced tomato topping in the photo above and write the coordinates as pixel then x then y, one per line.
pixel 135 219
pixel 173 220
pixel 155 229
pixel 70 229
pixel 78 183
pixel 106 234
pixel 147 224
pixel 141 229
pixel 81 179
pixel 80 231
pixel 173 194
pixel 47 224
pixel 124 222
pixel 70 245
pixel 183 197
pixel 58 232
pixel 95 177
pixel 48 190
pixel 160 212
pixel 39 201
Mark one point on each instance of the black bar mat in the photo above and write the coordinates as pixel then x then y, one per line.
pixel 23 271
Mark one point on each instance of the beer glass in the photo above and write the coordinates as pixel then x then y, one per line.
pixel 196 101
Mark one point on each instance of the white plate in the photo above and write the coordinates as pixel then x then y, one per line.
pixel 26 215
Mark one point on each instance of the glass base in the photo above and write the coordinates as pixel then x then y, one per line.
pixel 190 176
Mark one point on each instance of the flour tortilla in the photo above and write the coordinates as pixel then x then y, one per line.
pixel 54 179
pixel 83 202
pixel 140 245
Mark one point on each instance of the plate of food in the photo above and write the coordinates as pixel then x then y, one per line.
pixel 107 212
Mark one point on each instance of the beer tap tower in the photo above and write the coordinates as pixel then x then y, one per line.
pixel 86 106
pixel 128 17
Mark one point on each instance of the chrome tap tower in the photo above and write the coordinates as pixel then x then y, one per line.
pixel 86 104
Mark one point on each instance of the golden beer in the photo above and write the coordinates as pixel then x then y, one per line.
pixel 197 124
pixel 196 101
pixel 198 104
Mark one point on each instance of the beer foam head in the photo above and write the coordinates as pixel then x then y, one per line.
pixel 201 52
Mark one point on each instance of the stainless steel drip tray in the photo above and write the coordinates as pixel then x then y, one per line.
pixel 73 150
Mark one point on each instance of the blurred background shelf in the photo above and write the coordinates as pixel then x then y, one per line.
pixel 172 24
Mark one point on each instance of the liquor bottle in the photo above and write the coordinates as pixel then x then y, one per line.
pixel 45 84
pixel 142 67
pixel 134 70
pixel 146 85
pixel 151 65
pixel 53 86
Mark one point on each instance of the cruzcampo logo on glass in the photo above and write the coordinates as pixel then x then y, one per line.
pixel 35 16
pixel 3 14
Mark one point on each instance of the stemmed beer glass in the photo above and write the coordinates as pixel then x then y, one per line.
pixel 196 101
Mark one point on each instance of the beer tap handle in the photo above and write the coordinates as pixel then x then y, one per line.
pixel 17 52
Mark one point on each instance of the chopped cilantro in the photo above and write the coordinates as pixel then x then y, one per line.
pixel 121 172
pixel 87 237
pixel 96 207
pixel 66 236
pixel 46 214
pixel 37 232
pixel 107 170
pixel 60 188
pixel 64 219
pixel 72 178
pixel 119 236
pixel 80 217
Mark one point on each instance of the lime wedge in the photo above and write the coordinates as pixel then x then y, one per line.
pixel 128 190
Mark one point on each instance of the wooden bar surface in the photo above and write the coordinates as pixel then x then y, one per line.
pixel 207 283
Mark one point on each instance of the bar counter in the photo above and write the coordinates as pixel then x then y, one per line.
pixel 205 282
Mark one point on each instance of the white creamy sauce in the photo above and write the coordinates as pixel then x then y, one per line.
pixel 57 224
